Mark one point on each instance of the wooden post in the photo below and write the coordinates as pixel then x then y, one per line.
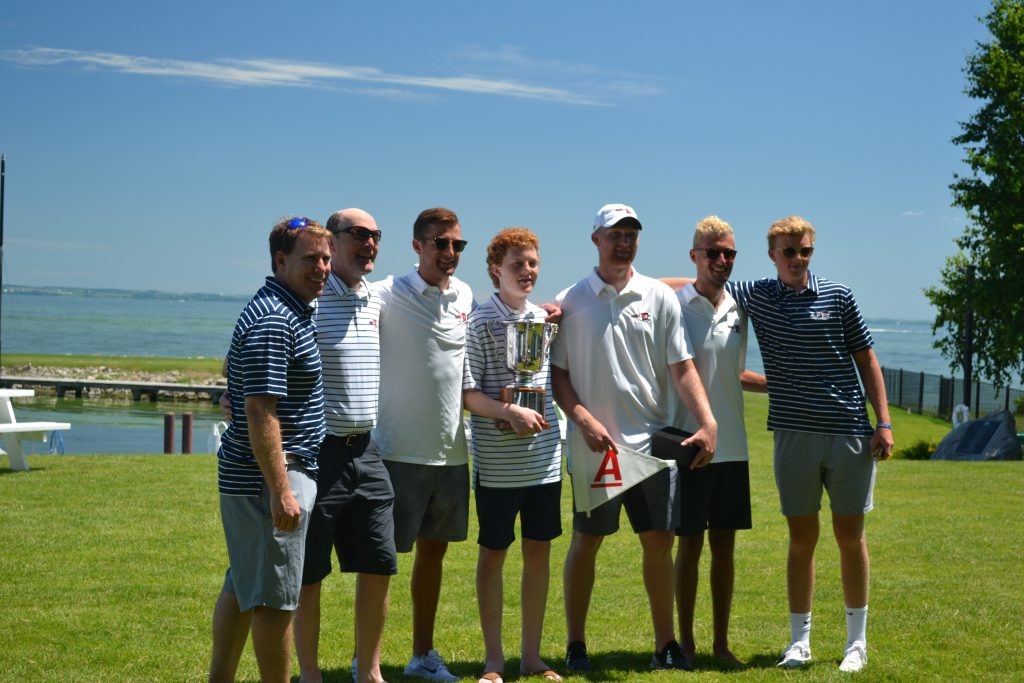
pixel 186 432
pixel 168 432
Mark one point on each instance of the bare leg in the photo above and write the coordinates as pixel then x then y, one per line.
pixel 272 642
pixel 854 563
pixel 723 572
pixel 371 611
pixel 657 547
pixel 426 592
pixel 307 633
pixel 687 573
pixel 490 597
pixel 803 537
pixel 230 631
pixel 578 580
pixel 534 597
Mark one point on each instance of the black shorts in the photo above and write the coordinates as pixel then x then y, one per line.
pixel 353 512
pixel 714 497
pixel 652 505
pixel 538 507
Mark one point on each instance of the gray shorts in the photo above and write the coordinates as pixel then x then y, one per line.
pixel 431 501
pixel 806 462
pixel 266 564
pixel 652 505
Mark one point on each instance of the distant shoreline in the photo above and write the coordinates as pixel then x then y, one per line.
pixel 103 293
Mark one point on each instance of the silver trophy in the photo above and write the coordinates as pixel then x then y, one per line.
pixel 527 346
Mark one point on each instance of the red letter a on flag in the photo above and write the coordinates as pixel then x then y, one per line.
pixel 609 468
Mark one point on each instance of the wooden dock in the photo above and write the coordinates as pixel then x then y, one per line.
pixel 138 389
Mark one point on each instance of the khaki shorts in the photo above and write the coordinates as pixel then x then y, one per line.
pixel 806 463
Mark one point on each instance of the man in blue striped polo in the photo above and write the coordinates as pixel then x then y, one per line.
pixel 268 458
pixel 355 500
pixel 814 343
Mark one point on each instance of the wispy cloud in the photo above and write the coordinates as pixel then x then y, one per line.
pixel 48 245
pixel 273 72
pixel 912 214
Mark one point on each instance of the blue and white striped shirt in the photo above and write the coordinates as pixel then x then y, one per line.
pixel 273 353
pixel 807 341
pixel 500 458
pixel 348 334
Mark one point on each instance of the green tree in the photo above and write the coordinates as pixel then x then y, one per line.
pixel 993 197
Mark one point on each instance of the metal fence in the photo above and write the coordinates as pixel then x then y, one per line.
pixel 921 392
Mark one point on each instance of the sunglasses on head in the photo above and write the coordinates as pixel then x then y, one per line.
pixel 442 243
pixel 363 234
pixel 298 223
pixel 714 252
pixel 790 252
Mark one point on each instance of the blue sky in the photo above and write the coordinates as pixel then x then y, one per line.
pixel 152 146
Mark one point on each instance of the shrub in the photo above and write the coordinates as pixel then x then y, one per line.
pixel 919 450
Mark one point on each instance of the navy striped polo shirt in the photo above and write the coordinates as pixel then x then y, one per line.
pixel 807 341
pixel 273 353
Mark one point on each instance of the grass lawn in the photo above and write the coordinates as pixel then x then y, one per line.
pixel 110 565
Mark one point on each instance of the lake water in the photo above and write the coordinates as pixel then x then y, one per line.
pixel 52 324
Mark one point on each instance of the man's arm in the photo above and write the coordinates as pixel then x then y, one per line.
pixel 871 375
pixel 523 420
pixel 677 283
pixel 753 382
pixel 597 437
pixel 692 393
pixel 265 438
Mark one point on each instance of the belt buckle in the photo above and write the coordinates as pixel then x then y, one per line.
pixel 351 439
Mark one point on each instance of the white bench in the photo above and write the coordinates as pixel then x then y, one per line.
pixel 15 432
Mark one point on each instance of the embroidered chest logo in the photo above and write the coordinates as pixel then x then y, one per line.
pixel 373 322
pixel 643 317
pixel 821 315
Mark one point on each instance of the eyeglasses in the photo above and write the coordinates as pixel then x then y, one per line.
pixel 442 243
pixel 627 236
pixel 714 252
pixel 363 234
pixel 299 223
pixel 790 252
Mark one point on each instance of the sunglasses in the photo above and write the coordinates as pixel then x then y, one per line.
pixel 363 234
pixel 442 243
pixel 299 223
pixel 790 252
pixel 714 252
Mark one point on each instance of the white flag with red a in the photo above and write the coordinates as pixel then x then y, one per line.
pixel 598 478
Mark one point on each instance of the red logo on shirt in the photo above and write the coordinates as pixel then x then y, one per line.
pixel 643 317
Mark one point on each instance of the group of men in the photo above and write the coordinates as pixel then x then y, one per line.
pixel 391 365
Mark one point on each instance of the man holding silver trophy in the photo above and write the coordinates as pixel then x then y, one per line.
pixel 517 465
pixel 619 355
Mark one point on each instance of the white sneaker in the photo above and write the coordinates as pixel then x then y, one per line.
pixel 355 670
pixel 431 667
pixel 797 654
pixel 855 658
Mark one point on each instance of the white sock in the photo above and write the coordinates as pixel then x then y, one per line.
pixel 856 625
pixel 800 627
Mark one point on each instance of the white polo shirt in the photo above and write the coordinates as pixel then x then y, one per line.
pixel 617 347
pixel 502 459
pixel 423 349
pixel 718 340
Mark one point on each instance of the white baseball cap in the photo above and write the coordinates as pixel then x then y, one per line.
pixel 612 214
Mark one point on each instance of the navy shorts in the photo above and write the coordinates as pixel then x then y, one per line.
pixel 353 512
pixel 714 497
pixel 538 508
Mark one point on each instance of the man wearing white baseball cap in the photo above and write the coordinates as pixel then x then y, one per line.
pixel 619 355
